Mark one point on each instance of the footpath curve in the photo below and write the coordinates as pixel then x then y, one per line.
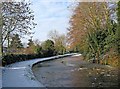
pixel 20 74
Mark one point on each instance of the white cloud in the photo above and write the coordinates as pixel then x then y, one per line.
pixel 63 0
pixel 46 25
pixel 46 9
pixel 50 16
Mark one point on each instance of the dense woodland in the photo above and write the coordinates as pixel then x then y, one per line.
pixel 94 32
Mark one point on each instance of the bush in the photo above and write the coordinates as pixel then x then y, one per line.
pixel 12 58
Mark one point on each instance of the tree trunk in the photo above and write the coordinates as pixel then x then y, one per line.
pixel 1 52
pixel 8 47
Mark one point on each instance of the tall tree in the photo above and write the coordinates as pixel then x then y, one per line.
pixel 31 48
pixel 90 24
pixel 59 41
pixel 118 12
pixel 118 28
pixel 87 15
pixel 0 36
pixel 16 42
pixel 48 48
pixel 17 18
pixel 30 43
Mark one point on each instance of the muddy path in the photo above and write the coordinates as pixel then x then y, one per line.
pixel 74 72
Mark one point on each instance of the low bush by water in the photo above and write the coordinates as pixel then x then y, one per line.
pixel 12 58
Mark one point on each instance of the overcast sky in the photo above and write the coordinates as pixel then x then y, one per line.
pixel 50 15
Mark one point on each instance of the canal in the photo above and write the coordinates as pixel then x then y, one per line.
pixel 75 72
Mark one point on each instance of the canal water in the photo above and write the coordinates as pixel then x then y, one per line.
pixel 75 72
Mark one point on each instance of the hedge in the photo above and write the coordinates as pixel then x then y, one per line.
pixel 12 58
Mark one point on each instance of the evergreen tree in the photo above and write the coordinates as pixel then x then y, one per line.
pixel 93 29
pixel 118 29
pixel 118 12
pixel 31 49
pixel 59 41
pixel 48 48
pixel 16 42
pixel 30 43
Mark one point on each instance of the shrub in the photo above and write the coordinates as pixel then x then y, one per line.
pixel 12 58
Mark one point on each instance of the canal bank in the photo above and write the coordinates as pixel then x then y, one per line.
pixel 20 74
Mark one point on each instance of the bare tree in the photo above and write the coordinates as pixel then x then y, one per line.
pixel 0 36
pixel 17 18
pixel 59 40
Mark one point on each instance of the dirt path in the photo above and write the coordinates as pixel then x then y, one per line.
pixel 74 72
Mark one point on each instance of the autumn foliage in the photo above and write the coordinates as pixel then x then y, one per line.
pixel 93 31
